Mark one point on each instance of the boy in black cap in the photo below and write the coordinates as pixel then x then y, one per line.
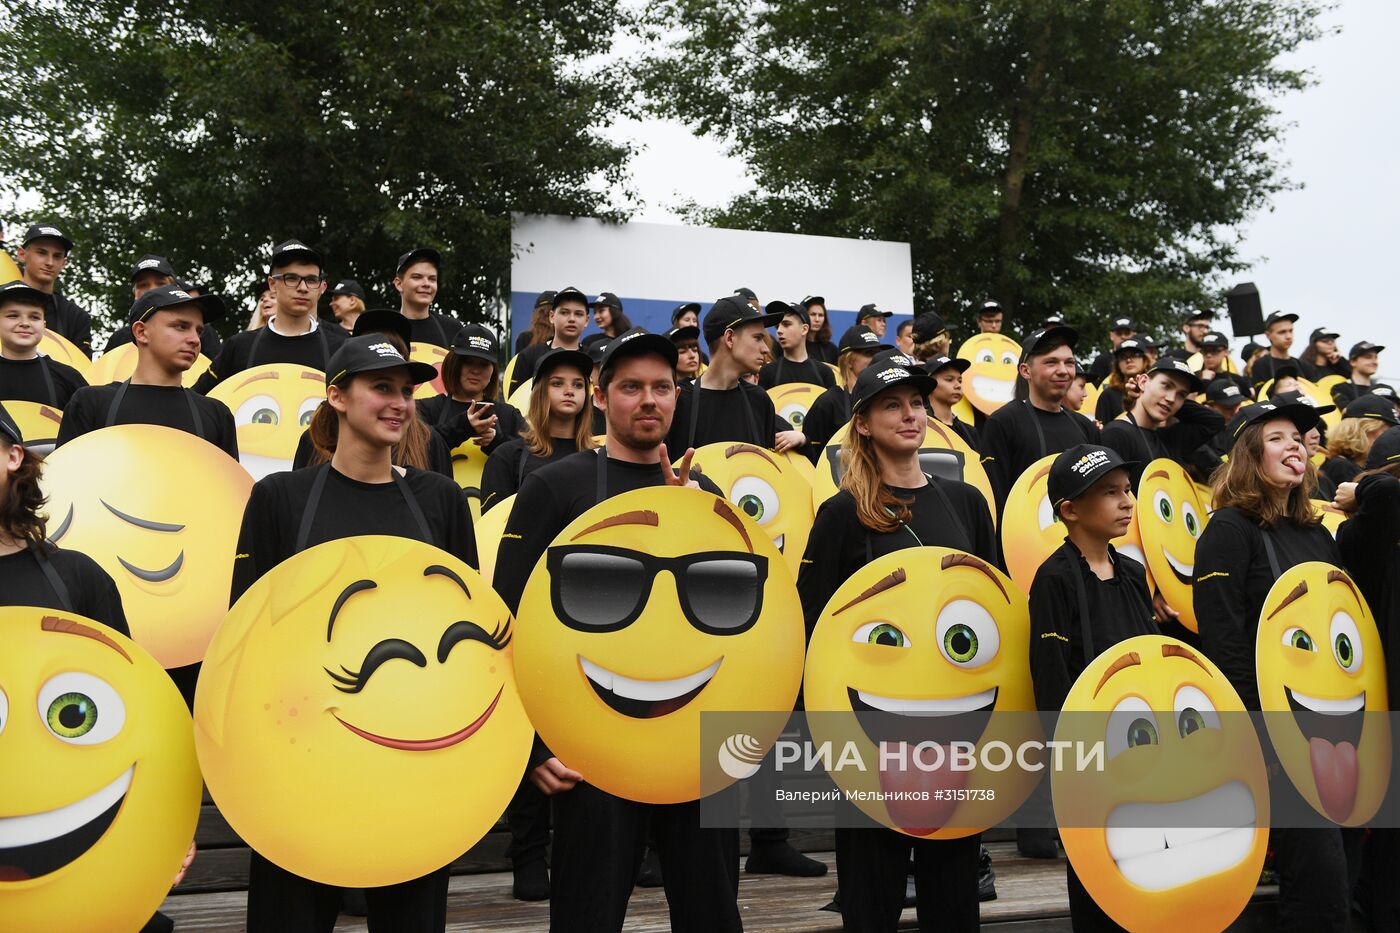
pixel 1216 362
pixel 152 271
pixel 294 333
pixel 748 296
pixel 1121 329
pixel 42 257
pixel 1363 361
pixel 989 318
pixel 1278 330
pixel 794 365
pixel 947 373
pixel 568 316
pixel 25 375
pixel 165 326
pixel 347 303
pixel 1086 597
pixel 1164 421
pixel 832 408
pixel 873 318
pixel 904 335
pixel 416 279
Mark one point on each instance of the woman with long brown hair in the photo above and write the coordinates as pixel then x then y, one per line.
pixel 1263 524
pixel 471 405
pixel 888 503
pixel 819 345
pixel 540 329
pixel 1121 388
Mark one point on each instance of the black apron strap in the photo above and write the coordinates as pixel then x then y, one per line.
pixel 325 348
pixel 694 413
pixel 1086 629
pixel 313 501
pixel 116 405
pixel 601 488
pixel 60 589
pixel 413 506
pixel 520 470
pixel 253 350
pixel 952 514
pixel 48 382
pixel 1271 553
pixel 194 415
pixel 1039 431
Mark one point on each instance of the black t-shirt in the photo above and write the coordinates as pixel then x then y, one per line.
pixel 209 342
pixel 64 317
pixel 525 362
pixel 1110 404
pixel 963 430
pixel 510 463
pixel 1012 441
pixel 783 371
pixel 823 350
pixel 348 507
pixel 23 381
pixel 1265 364
pixel 1340 470
pixel 91 591
pixel 436 329
pixel 1370 546
pixel 260 347
pixel 742 415
pixel 1195 425
pixel 164 405
pixel 439 456
pixel 828 413
pixel 448 417
pixel 1119 609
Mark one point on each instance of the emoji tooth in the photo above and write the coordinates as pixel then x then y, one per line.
pixel 32 828
pixel 650 691
pixel 1158 846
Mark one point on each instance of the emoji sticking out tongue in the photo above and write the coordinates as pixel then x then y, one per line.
pixel 1334 770
pixel 901 773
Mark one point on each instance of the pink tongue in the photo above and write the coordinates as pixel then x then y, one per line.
pixel 919 817
pixel 1334 771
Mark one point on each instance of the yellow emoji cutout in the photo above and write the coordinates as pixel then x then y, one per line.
pixel 793 400
pixel 272 405
pixel 650 609
pixel 990 382
pixel 1322 686
pixel 8 270
pixel 99 801
pixel 38 423
pixel 1168 832
pixel 964 412
pixel 57 347
pixel 488 531
pixel 1091 399
pixel 433 355
pixel 357 718
pixel 162 517
pixel 925 645
pixel 119 363
pixel 769 488
pixel 520 398
pixel 1332 517
pixel 468 463
pixel 1169 523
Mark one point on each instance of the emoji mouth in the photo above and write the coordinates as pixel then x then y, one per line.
pixel 779 542
pixel 154 576
pixel 1157 846
pixel 36 844
pixel 1184 572
pixel 259 466
pixel 941 721
pixel 994 390
pixel 645 699
pixel 1335 721
pixel 1333 730
pixel 425 745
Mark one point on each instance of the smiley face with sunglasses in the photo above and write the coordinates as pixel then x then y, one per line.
pixel 649 609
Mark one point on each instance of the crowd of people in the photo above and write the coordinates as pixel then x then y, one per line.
pixel 612 410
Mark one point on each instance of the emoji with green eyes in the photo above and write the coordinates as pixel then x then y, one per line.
pixel 1322 685
pixel 769 488
pixel 1169 830
pixel 272 405
pixel 1170 520
pixel 919 648
pixel 649 610
pixel 99 801
pixel 161 516
pixel 990 382
pixel 357 719
pixel 792 401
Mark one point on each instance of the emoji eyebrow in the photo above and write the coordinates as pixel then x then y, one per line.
pixel 437 570
pixel 967 560
pixel 723 510
pixel 357 587
pixel 893 579
pixel 314 377
pixel 47 412
pixel 1298 592
pixel 1156 473
pixel 1126 661
pixel 1336 576
pixel 55 624
pixel 252 379
pixel 639 517
pixel 141 522
pixel 1181 651
pixel 747 449
pixel 1040 473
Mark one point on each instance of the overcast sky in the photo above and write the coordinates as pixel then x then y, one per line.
pixel 1326 252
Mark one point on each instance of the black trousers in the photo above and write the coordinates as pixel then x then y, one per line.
pixel 1084 912
pixel 1382 856
pixel 1313 893
pixel 281 902
pixel 598 843
pixel 872 864
pixel 527 816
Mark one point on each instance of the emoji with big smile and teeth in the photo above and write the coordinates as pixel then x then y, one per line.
pixel 1322 686
pixel 1171 833
pixel 161 515
pixel 1170 522
pixel 769 488
pixel 924 645
pixel 272 405
pixel 793 400
pixel 648 610
pixel 990 382
pixel 100 795
pixel 357 718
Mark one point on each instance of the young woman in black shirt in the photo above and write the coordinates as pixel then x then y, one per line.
pixel 472 405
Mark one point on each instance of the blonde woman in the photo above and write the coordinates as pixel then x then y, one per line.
pixel 1348 443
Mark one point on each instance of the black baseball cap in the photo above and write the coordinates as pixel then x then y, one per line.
pixel 1198 316
pixel 1123 323
pixel 929 326
pixel 1304 417
pixel 1045 339
pixel 608 299
pixel 259 288
pixel 371 353
pixel 47 228
pixel 1147 343
pixel 1177 368
pixel 1053 320
pixel 1384 451
pixel 1374 407
pixel 1078 468
pixel 169 296
pixel 1131 345
pixel 1323 333
pixel 9 428
pixel 478 341
pixel 690 332
pixel 813 300
pixel 152 263
pixel 1224 391
pixel 1276 316
pixel 682 308
pixel 545 297
pixel 1364 346
pixel 861 337
pixel 559 356
pixel 597 349
pixel 783 309
pixel 1383 390
pixel 421 254
pixel 871 311
pixel 291 251
pixel 899 358
pixel 637 342
pixel 746 293
pixel 1251 350
pixel 568 293
pixel 1215 340
pixel 1297 396
pixel 1279 369
pixel 383 320
pixel 591 339
pixel 16 290
pixel 989 307
pixel 886 374
pixel 730 312
pixel 937 364
pixel 349 287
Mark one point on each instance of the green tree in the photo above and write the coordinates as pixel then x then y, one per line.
pixel 1093 157
pixel 207 130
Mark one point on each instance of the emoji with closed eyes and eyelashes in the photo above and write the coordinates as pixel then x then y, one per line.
pixel 769 488
pixel 119 364
pixel 272 405
pixel 161 516
pixel 648 610
pixel 990 382
pixel 1169 832
pixel 793 400
pixel 38 423
pixel 357 718
pixel 433 355
pixel 918 648
pixel 1322 685
pixel 101 789
pixel 1169 522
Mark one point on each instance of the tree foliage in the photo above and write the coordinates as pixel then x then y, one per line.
pixel 1093 157
pixel 207 130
